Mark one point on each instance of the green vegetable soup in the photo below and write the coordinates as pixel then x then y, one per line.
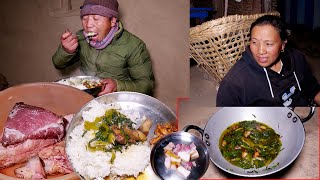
pixel 249 144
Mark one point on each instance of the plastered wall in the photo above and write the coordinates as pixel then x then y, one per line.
pixel 30 32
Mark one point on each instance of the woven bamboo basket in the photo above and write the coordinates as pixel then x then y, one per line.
pixel 217 44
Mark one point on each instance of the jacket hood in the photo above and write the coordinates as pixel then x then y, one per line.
pixel 249 59
pixel 271 76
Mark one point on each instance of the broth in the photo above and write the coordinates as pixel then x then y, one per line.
pixel 249 144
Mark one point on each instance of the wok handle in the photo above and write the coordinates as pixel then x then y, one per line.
pixel 188 127
pixel 311 112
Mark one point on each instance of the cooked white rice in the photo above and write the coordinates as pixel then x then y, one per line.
pixel 96 165
pixel 134 160
pixel 77 82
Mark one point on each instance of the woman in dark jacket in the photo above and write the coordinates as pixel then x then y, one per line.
pixel 268 74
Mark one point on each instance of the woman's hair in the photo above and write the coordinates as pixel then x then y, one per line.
pixel 275 21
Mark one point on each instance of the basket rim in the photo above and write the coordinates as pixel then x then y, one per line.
pixel 230 19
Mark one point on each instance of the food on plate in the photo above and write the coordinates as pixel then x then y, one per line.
pixel 249 144
pixel 111 130
pixel 145 126
pixel 91 84
pixel 31 133
pixel 108 143
pixel 32 170
pixel 161 130
pixel 180 157
pixel 81 82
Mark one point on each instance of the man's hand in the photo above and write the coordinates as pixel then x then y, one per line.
pixel 69 42
pixel 109 86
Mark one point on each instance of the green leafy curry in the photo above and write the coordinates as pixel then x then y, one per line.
pixel 249 144
pixel 114 131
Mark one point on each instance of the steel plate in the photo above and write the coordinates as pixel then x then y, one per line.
pixel 93 91
pixel 131 102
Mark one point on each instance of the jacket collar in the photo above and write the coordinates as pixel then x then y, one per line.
pixel 247 55
pixel 118 33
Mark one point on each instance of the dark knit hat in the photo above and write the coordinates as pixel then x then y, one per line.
pixel 107 8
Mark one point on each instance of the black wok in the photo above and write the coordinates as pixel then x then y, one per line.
pixel 284 121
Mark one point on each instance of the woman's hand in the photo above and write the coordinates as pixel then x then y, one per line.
pixel 69 42
pixel 109 86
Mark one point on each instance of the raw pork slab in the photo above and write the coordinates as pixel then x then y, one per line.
pixel 32 170
pixel 21 152
pixel 31 122
pixel 55 159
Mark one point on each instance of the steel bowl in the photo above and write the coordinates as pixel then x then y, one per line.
pixel 158 156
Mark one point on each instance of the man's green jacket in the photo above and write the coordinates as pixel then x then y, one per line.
pixel 125 59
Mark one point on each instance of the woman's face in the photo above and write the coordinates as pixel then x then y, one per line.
pixel 98 24
pixel 266 44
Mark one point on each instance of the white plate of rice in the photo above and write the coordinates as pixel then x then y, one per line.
pixel 133 161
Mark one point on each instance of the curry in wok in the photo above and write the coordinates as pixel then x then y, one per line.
pixel 249 144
